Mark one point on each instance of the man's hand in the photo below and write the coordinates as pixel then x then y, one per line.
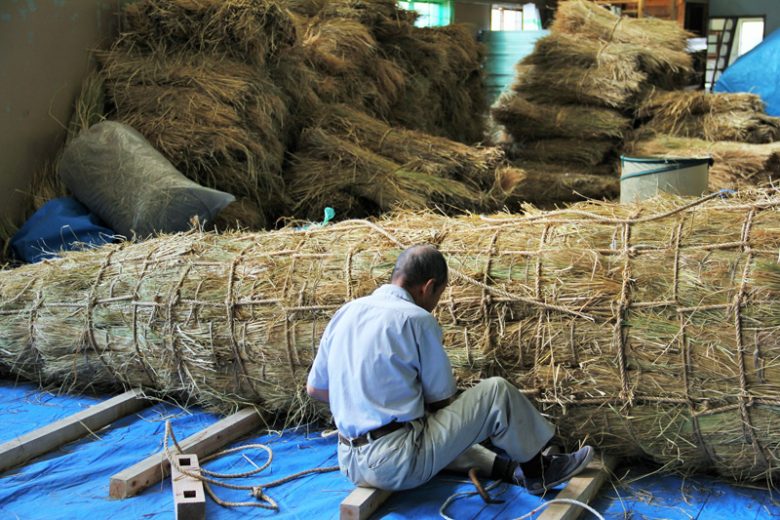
pixel 318 393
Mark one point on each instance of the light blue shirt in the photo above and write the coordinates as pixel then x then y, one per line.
pixel 381 359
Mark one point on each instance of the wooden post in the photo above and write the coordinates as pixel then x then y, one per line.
pixel 582 488
pixel 153 469
pixel 188 495
pixel 640 9
pixel 54 435
pixel 362 502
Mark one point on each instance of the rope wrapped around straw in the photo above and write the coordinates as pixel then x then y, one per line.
pixel 650 329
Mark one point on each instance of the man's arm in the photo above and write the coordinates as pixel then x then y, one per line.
pixel 318 393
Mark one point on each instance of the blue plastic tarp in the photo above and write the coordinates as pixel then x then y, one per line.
pixel 757 72
pixel 59 225
pixel 72 482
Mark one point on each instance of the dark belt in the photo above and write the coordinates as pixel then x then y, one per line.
pixel 373 434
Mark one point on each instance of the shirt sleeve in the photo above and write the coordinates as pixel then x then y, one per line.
pixel 438 382
pixel 318 376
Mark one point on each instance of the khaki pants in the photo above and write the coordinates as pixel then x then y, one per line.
pixel 449 438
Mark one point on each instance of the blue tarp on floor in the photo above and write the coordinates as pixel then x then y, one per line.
pixel 72 482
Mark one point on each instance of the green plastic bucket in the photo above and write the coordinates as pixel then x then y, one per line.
pixel 645 177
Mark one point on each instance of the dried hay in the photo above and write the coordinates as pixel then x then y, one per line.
pixel 597 86
pixel 713 117
pixel 249 31
pixel 524 119
pixel 329 163
pixel 445 93
pixel 220 122
pixel 584 152
pixel 586 19
pixel 736 165
pixel 658 47
pixel 548 185
pixel 90 107
pixel 414 150
pixel 654 335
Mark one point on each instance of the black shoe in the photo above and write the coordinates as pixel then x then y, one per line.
pixel 558 469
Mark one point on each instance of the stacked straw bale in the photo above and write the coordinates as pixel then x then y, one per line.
pixel 583 82
pixel 573 101
pixel 195 78
pixel 646 329
pixel 368 54
pixel 713 117
pixel 360 166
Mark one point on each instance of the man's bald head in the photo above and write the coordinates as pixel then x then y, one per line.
pixel 417 265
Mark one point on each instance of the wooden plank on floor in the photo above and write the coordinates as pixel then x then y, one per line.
pixel 582 488
pixel 362 502
pixel 43 440
pixel 153 469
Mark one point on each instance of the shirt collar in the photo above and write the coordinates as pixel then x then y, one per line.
pixel 394 290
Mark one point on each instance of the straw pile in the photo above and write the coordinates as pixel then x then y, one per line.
pixel 368 54
pixel 574 97
pixel 653 335
pixel 713 117
pixel 735 165
pixel 361 166
pixel 219 121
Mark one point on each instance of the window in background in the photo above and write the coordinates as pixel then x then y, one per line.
pixel 431 14
pixel 506 19
pixel 515 18
pixel 728 38
pixel 750 32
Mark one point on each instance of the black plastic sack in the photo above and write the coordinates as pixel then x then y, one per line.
pixel 124 180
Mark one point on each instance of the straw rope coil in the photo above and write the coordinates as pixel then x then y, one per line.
pixel 649 330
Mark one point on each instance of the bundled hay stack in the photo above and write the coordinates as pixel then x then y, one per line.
pixel 735 165
pixel 548 185
pixel 654 335
pixel 194 78
pixel 368 54
pixel 332 170
pixel 444 68
pixel 713 117
pixel 574 97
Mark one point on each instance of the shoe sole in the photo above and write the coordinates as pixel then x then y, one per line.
pixel 588 458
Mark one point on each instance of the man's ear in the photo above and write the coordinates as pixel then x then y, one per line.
pixel 429 288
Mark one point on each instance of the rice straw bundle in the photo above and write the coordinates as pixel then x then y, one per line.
pixel 735 165
pixel 220 122
pixel 415 150
pixel 598 86
pixel 714 117
pixel 654 335
pixel 590 152
pixel 587 19
pixel 658 47
pixel 250 31
pixel 527 120
pixel 346 57
pixel 547 185
pixel 329 163
pixel 445 93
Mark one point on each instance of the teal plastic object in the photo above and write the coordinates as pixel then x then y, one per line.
pixel 504 50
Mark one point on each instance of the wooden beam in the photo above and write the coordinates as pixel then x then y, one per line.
pixel 54 435
pixel 582 488
pixel 189 499
pixel 362 502
pixel 153 469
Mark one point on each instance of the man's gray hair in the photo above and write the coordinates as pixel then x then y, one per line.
pixel 420 263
